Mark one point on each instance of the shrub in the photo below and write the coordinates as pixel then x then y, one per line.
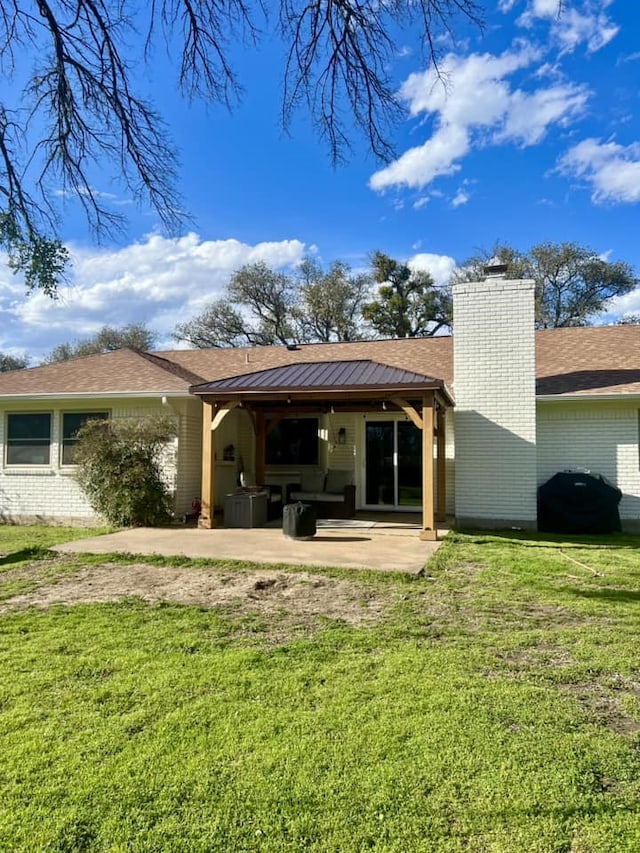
pixel 119 469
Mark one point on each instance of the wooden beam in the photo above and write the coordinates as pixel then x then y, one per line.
pixel 409 411
pixel 207 513
pixel 261 437
pixel 223 412
pixel 441 457
pixel 429 530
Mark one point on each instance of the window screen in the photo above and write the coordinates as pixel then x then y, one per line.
pixel 71 423
pixel 28 439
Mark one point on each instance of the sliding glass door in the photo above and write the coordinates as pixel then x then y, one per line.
pixel 393 466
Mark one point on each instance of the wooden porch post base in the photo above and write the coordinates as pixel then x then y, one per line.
pixel 206 523
pixel 429 535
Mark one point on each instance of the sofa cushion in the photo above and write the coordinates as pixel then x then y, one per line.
pixel 312 481
pixel 313 496
pixel 327 497
pixel 337 480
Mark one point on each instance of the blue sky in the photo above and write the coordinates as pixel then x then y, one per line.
pixel 536 136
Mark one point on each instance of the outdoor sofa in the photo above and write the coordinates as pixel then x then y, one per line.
pixel 332 493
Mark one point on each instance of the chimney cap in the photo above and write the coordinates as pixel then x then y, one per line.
pixel 495 268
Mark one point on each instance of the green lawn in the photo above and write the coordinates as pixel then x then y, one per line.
pixel 494 707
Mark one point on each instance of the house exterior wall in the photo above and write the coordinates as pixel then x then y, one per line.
pixel 50 493
pixel 450 455
pixel 599 436
pixel 187 466
pixel 495 416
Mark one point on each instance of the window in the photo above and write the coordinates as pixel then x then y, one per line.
pixel 28 439
pixel 71 423
pixel 294 441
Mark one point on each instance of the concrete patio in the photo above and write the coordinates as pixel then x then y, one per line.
pixel 381 543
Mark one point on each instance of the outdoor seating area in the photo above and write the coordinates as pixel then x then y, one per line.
pixel 332 493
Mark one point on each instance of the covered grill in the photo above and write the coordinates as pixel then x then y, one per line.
pixel 578 502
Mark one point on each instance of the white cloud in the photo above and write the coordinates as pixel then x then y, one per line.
pixel 419 166
pixel 594 29
pixel 571 26
pixel 460 198
pixel 530 115
pixel 159 281
pixel 477 107
pixel 440 267
pixel 623 305
pixel 612 170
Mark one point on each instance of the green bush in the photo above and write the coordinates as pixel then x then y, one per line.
pixel 119 469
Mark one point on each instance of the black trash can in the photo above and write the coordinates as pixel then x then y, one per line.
pixel 299 521
pixel 578 502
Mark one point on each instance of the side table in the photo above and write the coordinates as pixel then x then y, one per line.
pixel 245 509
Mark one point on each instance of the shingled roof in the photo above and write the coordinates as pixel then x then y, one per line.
pixel 123 371
pixel 593 361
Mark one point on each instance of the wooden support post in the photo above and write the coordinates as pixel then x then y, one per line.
pixel 429 530
pixel 441 456
pixel 261 438
pixel 207 519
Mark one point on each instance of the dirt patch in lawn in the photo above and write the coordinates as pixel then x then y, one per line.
pixel 300 596
pixel 607 706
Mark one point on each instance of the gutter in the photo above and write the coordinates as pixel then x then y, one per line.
pixel 585 398
pixel 92 395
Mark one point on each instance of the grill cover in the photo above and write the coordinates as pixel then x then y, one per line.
pixel 576 502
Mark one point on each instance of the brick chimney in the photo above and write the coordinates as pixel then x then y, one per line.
pixel 495 414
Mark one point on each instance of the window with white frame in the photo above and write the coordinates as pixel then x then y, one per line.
pixel 72 422
pixel 28 438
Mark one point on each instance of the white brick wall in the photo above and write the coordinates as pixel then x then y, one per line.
pixel 495 417
pixel 600 436
pixel 450 453
pixel 50 492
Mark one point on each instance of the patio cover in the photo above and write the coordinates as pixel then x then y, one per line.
pixel 319 387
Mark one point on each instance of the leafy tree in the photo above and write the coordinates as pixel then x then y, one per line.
pixel 408 305
pixel 12 362
pixel 269 297
pixel 219 325
pixel 330 303
pixel 119 469
pixel 262 307
pixel 629 320
pixel 572 282
pixel 73 67
pixel 256 310
pixel 134 336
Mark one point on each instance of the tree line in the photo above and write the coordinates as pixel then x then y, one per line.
pixel 262 306
pixel 393 300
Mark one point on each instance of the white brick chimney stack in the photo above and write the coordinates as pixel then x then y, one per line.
pixel 495 414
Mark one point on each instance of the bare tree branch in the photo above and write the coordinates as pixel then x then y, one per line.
pixel 79 116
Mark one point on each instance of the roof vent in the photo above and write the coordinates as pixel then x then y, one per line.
pixel 495 268
pixel 292 347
